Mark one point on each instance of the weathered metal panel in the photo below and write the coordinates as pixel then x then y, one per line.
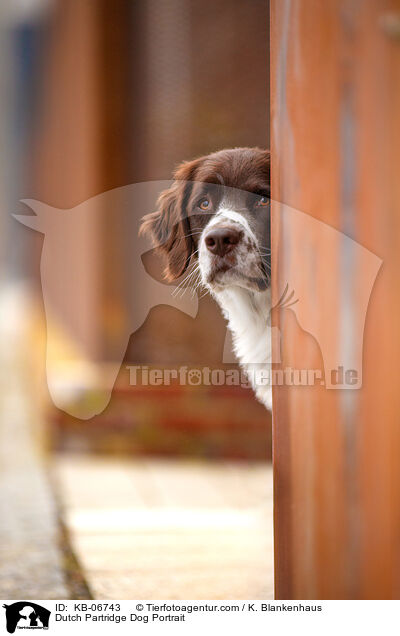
pixel 335 138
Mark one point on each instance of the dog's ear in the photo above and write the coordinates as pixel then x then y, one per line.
pixel 169 225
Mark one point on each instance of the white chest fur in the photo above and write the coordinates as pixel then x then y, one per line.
pixel 249 319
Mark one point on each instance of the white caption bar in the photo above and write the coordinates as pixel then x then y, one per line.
pixel 193 617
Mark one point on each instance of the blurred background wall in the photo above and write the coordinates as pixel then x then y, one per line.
pixel 97 96
pixel 110 94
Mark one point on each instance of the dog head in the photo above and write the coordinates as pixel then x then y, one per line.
pixel 217 214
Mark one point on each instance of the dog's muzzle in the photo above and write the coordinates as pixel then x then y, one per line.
pixel 222 239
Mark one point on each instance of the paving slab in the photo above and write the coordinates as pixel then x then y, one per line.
pixel 169 529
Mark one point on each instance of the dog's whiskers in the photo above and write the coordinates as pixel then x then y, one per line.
pixel 192 281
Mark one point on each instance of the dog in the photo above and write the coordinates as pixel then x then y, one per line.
pixel 214 223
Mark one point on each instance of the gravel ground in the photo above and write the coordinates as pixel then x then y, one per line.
pixel 31 554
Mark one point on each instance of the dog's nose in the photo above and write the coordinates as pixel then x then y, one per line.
pixel 221 240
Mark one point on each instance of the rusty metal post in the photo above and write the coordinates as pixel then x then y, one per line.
pixel 335 138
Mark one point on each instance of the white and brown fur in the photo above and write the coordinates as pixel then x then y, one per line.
pixel 214 220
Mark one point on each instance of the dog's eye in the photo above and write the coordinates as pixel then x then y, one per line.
pixel 263 202
pixel 205 204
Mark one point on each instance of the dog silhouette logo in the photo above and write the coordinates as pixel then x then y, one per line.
pixel 26 615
